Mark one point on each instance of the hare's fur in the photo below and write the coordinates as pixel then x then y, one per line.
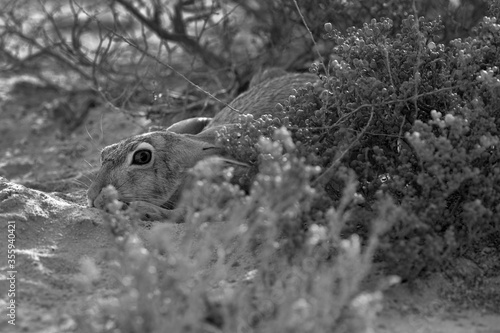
pixel 156 184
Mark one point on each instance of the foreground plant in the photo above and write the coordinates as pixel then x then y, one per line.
pixel 246 261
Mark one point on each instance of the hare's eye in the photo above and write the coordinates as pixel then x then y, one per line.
pixel 141 157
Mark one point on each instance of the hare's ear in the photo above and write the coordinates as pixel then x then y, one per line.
pixel 190 126
pixel 209 135
pixel 199 146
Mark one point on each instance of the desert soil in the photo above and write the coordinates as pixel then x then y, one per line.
pixel 45 173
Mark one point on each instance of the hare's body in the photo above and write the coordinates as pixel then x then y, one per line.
pixel 150 168
pixel 262 98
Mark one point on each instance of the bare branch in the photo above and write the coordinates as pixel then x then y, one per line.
pixel 180 36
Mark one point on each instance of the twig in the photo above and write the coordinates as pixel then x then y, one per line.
pixel 400 135
pixel 176 72
pixel 419 53
pixel 388 64
pixel 156 59
pixel 316 48
pixel 380 104
pixel 49 51
pixel 179 36
pixel 326 175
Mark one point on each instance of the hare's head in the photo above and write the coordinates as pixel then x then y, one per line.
pixel 150 167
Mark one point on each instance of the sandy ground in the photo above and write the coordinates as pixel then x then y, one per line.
pixel 55 232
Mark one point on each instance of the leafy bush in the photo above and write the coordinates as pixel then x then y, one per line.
pixel 413 119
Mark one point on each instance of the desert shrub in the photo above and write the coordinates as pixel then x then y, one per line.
pixel 413 119
pixel 394 115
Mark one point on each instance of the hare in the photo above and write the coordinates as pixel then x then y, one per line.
pixel 148 170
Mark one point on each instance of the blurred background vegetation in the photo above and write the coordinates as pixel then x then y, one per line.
pixel 130 52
